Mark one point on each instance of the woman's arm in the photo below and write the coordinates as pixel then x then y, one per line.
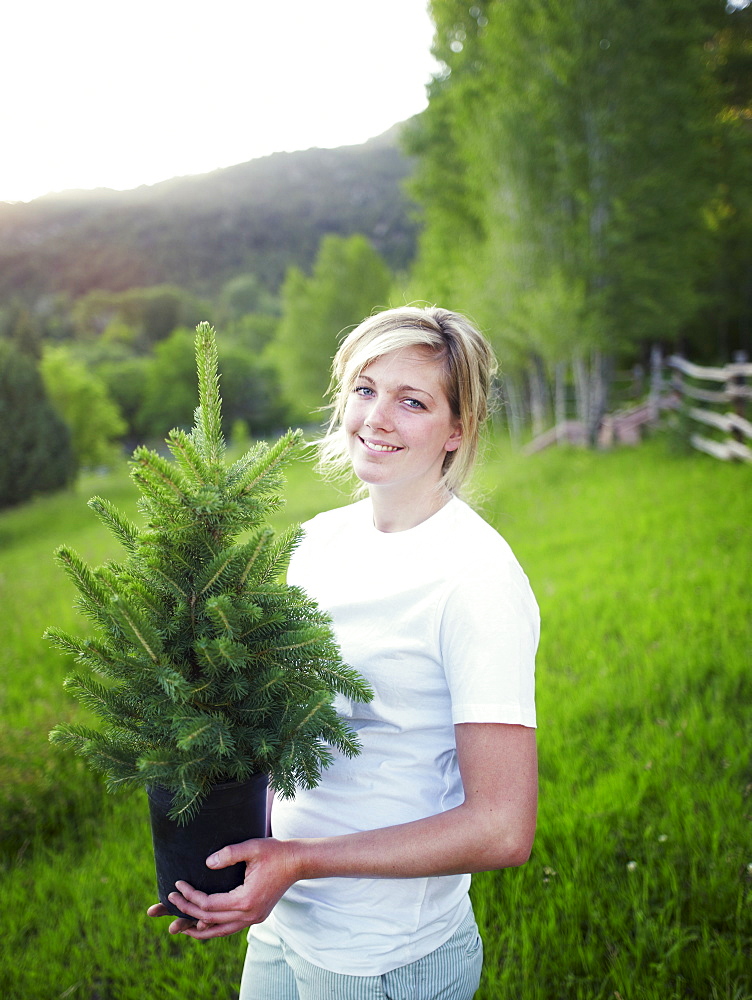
pixel 493 828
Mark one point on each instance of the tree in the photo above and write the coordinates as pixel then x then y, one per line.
pixel 34 440
pixel 143 316
pixel 82 400
pixel 253 332
pixel 124 378
pixel 580 145
pixel 249 387
pixel 728 311
pixel 252 393
pixel 349 280
pixel 169 392
pixel 451 196
pixel 245 294
pixel 215 671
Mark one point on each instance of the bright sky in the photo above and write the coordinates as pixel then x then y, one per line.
pixel 103 94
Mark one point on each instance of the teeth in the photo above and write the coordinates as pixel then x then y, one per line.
pixel 380 447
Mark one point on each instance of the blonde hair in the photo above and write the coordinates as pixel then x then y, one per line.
pixel 469 367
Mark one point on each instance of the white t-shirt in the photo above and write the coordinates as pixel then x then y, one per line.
pixel 441 620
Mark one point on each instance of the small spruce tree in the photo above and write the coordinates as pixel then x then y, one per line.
pixel 213 670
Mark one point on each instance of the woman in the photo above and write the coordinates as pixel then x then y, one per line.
pixel 365 879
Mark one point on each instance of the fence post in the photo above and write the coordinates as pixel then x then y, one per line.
pixel 514 410
pixel 582 395
pixel 638 381
pixel 656 383
pixel 560 396
pixel 538 402
pixel 737 394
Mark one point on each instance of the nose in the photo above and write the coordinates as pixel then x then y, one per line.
pixel 378 416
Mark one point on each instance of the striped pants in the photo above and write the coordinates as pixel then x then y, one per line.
pixel 452 972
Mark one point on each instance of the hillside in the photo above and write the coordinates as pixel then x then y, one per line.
pixel 199 231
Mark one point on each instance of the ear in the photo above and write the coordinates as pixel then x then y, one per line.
pixel 455 438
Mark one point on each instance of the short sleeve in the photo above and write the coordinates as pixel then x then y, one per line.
pixel 489 631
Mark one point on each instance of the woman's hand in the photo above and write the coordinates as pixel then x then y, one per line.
pixel 493 828
pixel 270 870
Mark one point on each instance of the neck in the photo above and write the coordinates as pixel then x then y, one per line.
pixel 400 513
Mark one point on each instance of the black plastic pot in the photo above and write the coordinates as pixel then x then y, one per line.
pixel 230 814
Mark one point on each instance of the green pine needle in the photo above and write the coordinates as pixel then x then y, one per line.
pixel 208 429
pixel 119 525
pixel 215 669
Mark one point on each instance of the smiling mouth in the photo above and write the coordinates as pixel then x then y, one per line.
pixel 380 448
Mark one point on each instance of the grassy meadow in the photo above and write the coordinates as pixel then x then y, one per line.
pixel 640 882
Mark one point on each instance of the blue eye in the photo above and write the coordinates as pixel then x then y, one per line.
pixel 363 390
pixel 415 404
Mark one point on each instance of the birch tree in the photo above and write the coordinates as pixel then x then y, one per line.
pixel 581 140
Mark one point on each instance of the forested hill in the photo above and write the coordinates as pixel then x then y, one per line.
pixel 197 232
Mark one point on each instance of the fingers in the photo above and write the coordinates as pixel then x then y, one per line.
pixel 206 920
pixel 230 855
pixel 220 906
pixel 203 931
pixel 267 878
pixel 182 926
pixel 179 926
pixel 206 916
pixel 192 927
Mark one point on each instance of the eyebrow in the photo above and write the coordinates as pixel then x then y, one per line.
pixel 400 388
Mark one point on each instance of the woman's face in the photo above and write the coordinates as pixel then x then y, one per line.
pixel 398 422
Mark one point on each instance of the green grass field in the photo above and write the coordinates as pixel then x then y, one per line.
pixel 640 882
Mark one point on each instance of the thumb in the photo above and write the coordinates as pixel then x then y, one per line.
pixel 230 855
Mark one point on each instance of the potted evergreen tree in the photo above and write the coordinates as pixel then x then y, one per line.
pixel 215 676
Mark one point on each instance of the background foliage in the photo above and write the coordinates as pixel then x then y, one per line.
pixel 579 184
pixel 590 156
pixel 35 442
pixel 349 280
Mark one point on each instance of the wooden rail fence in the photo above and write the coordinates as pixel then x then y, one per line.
pixel 732 391
pixel 719 399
